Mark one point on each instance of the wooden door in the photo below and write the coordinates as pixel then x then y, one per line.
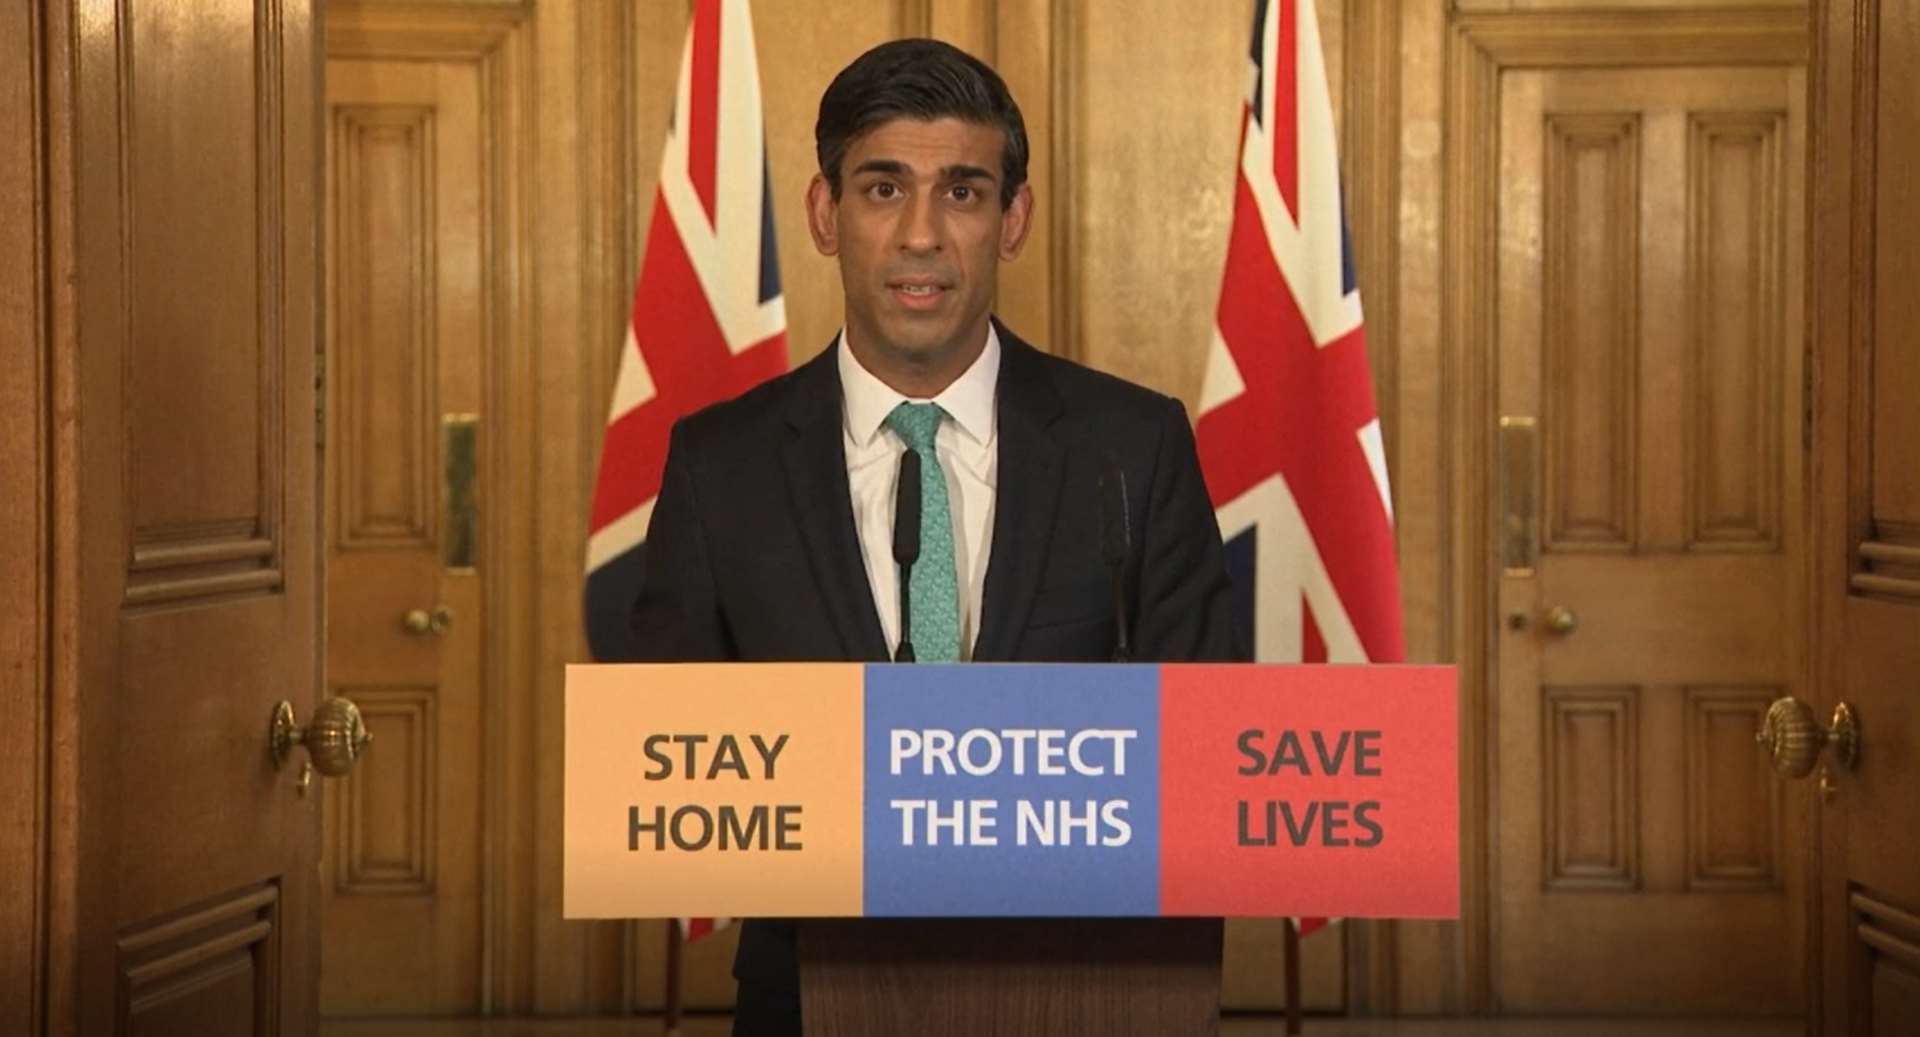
pixel 181 228
pixel 1866 586
pixel 1650 540
pixel 407 297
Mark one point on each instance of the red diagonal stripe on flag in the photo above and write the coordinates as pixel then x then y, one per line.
pixel 687 356
pixel 1286 107
pixel 703 151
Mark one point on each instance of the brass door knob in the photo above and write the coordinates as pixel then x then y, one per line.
pixel 420 621
pixel 1793 739
pixel 1562 621
pixel 334 740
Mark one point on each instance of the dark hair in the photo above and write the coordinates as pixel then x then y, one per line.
pixel 918 79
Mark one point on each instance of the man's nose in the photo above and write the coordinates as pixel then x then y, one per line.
pixel 920 225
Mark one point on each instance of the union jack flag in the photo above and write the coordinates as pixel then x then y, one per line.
pixel 1288 435
pixel 708 319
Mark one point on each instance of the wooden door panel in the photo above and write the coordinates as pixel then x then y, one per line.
pixel 1865 338
pixel 1720 618
pixel 211 969
pixel 192 476
pixel 1894 418
pixel 1647 863
pixel 201 171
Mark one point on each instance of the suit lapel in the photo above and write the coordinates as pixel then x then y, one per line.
pixel 816 465
pixel 1025 499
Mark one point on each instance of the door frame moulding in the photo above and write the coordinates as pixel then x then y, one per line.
pixel 27 620
pixel 497 39
pixel 1480 48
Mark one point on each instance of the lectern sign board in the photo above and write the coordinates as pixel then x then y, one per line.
pixel 839 790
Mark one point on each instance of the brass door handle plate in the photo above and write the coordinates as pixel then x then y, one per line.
pixel 335 740
pixel 1794 740
pixel 421 621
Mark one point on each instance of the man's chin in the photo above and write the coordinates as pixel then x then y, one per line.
pixel 919 341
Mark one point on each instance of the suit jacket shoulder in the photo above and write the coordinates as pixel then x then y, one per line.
pixel 1083 388
pixel 747 421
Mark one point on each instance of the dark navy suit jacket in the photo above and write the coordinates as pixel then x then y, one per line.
pixel 752 554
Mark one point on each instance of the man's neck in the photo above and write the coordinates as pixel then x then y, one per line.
pixel 917 378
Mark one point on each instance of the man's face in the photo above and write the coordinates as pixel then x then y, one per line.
pixel 920 233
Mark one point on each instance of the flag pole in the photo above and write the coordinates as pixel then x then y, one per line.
pixel 673 1002
pixel 1290 972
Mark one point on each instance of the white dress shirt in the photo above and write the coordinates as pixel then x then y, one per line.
pixel 967 445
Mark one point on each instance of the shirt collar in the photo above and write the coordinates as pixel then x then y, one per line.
pixel 969 400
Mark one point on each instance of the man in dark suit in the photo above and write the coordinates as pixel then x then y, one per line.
pixel 772 537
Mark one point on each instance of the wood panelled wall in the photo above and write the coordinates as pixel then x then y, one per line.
pixel 1134 111
pixel 25 675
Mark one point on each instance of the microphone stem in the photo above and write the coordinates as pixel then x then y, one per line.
pixel 904 652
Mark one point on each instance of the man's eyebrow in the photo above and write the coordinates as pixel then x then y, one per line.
pixel 895 167
pixel 966 173
pixel 889 166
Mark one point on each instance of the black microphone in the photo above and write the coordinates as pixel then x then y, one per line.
pixel 906 545
pixel 1116 542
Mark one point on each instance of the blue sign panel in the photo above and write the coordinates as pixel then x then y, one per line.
pixel 1012 790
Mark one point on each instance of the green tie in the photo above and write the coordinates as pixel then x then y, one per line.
pixel 936 596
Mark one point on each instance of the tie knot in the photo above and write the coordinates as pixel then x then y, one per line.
pixel 916 423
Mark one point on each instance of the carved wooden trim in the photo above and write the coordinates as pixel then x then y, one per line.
pixel 509 467
pixel 1641 39
pixel 25 533
pixel 1747 706
pixel 62 915
pixel 180 956
pixel 471 31
pixel 1063 161
pixel 1563 868
pixel 1886 560
pixel 1883 942
pixel 1478 48
pixel 179 562
pixel 1859 165
pixel 1468 305
pixel 1755 525
pixel 1567 275
pixel 356 526
pixel 1889 566
pixel 356 873
pixel 1887 929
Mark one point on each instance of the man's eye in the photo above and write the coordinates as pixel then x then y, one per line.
pixel 962 193
pixel 883 190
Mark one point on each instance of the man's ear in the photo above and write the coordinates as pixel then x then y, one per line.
pixel 821 222
pixel 1015 223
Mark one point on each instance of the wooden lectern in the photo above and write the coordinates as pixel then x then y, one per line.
pixel 1014 977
